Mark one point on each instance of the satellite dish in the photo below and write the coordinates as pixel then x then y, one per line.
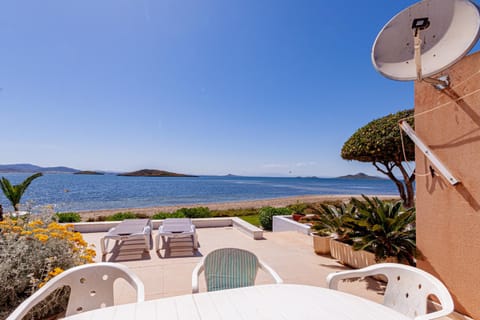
pixel 426 38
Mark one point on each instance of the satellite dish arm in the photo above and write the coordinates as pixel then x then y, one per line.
pixel 418 25
pixel 418 54
pixel 428 153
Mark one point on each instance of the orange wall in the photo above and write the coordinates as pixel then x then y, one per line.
pixel 448 217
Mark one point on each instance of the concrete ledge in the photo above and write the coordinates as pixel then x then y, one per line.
pixel 247 228
pixel 286 223
pixel 235 222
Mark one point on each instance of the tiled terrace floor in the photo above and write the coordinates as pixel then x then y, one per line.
pixel 290 254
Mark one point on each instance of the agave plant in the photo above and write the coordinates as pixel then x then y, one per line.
pixel 330 221
pixel 14 193
pixel 385 228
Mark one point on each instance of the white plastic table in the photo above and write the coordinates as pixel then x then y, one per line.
pixel 277 301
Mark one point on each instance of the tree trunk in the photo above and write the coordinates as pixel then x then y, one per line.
pixel 408 181
pixel 405 189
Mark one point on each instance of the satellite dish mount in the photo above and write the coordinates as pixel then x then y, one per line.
pixel 419 24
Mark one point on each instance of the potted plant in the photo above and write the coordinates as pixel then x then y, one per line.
pixel 327 225
pixel 384 228
pixel 298 210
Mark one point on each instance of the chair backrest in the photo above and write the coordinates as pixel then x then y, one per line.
pixel 228 268
pixel 408 289
pixel 91 287
pixel 177 225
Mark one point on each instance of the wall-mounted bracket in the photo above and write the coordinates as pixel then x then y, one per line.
pixel 428 153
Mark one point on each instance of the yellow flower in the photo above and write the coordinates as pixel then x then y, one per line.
pixel 55 272
pixel 26 233
pixel 17 229
pixel 90 252
pixel 42 237
pixel 87 258
pixel 35 223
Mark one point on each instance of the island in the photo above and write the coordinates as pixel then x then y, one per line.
pixel 89 172
pixel 154 173
pixel 360 176
pixel 31 168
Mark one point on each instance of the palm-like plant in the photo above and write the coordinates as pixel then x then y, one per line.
pixel 330 221
pixel 14 193
pixel 384 228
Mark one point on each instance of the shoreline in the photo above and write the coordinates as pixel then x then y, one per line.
pixel 242 204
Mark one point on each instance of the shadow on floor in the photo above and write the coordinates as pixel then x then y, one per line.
pixel 179 248
pixel 127 250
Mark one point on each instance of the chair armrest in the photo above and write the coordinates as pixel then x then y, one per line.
pixel 195 274
pixel 147 230
pixel 136 283
pixel 334 278
pixel 272 272
pixel 434 315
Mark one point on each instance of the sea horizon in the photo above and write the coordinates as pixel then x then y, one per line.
pixel 70 192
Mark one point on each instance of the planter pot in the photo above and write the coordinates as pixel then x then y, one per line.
pixel 321 245
pixel 345 254
pixel 354 258
pixel 297 216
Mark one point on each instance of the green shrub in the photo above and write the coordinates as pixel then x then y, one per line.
pixel 235 212
pixel 198 212
pixel 119 216
pixel 267 213
pixel 165 215
pixel 298 207
pixel 64 217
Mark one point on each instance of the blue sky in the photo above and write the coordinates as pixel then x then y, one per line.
pixel 250 87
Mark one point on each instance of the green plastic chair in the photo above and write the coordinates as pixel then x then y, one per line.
pixel 229 268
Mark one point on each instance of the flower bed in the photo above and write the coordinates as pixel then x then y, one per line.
pixel 33 252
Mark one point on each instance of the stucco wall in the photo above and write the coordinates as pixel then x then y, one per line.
pixel 448 217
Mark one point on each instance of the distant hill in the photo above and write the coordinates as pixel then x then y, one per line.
pixel 153 173
pixel 360 176
pixel 89 172
pixel 30 168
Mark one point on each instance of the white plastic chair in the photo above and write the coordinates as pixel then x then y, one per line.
pixel 91 288
pixel 176 228
pixel 228 268
pixel 407 289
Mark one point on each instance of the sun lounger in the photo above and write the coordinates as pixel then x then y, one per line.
pixel 176 228
pixel 128 230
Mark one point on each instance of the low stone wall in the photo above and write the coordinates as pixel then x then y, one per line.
pixel 235 222
pixel 286 223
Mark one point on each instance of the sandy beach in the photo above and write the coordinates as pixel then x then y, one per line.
pixel 275 202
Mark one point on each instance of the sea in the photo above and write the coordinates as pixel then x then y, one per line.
pixel 71 192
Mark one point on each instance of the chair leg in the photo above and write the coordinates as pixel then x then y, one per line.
pixel 147 243
pixel 157 242
pixel 104 245
pixel 195 241
pixel 164 242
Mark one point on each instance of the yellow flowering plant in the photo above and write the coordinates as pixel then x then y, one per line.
pixel 31 253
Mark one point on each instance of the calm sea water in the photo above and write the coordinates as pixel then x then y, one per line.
pixel 69 192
